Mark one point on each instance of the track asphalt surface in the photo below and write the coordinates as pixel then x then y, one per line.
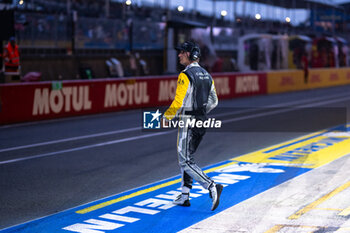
pixel 48 167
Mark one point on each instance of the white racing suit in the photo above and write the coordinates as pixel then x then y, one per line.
pixel 195 97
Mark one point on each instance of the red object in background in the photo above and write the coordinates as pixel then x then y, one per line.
pixel 323 52
pixel 31 77
pixel 316 61
pixel 217 67
pixel 11 57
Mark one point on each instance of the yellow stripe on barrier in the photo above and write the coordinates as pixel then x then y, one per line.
pixel 285 81
pixel 294 80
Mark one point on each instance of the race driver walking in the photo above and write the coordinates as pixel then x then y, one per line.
pixel 195 97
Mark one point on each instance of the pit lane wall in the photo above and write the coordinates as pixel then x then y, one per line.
pixel 21 102
pixel 294 80
pixel 48 100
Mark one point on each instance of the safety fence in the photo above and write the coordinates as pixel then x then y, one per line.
pixel 49 100
pixel 35 30
pixel 60 31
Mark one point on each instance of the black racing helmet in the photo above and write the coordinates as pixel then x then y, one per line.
pixel 191 47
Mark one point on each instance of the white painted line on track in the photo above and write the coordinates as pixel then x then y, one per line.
pixel 214 115
pixel 70 139
pixel 285 110
pixel 287 104
pixel 167 132
pixel 84 147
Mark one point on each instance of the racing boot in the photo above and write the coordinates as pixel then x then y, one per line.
pixel 183 199
pixel 215 192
